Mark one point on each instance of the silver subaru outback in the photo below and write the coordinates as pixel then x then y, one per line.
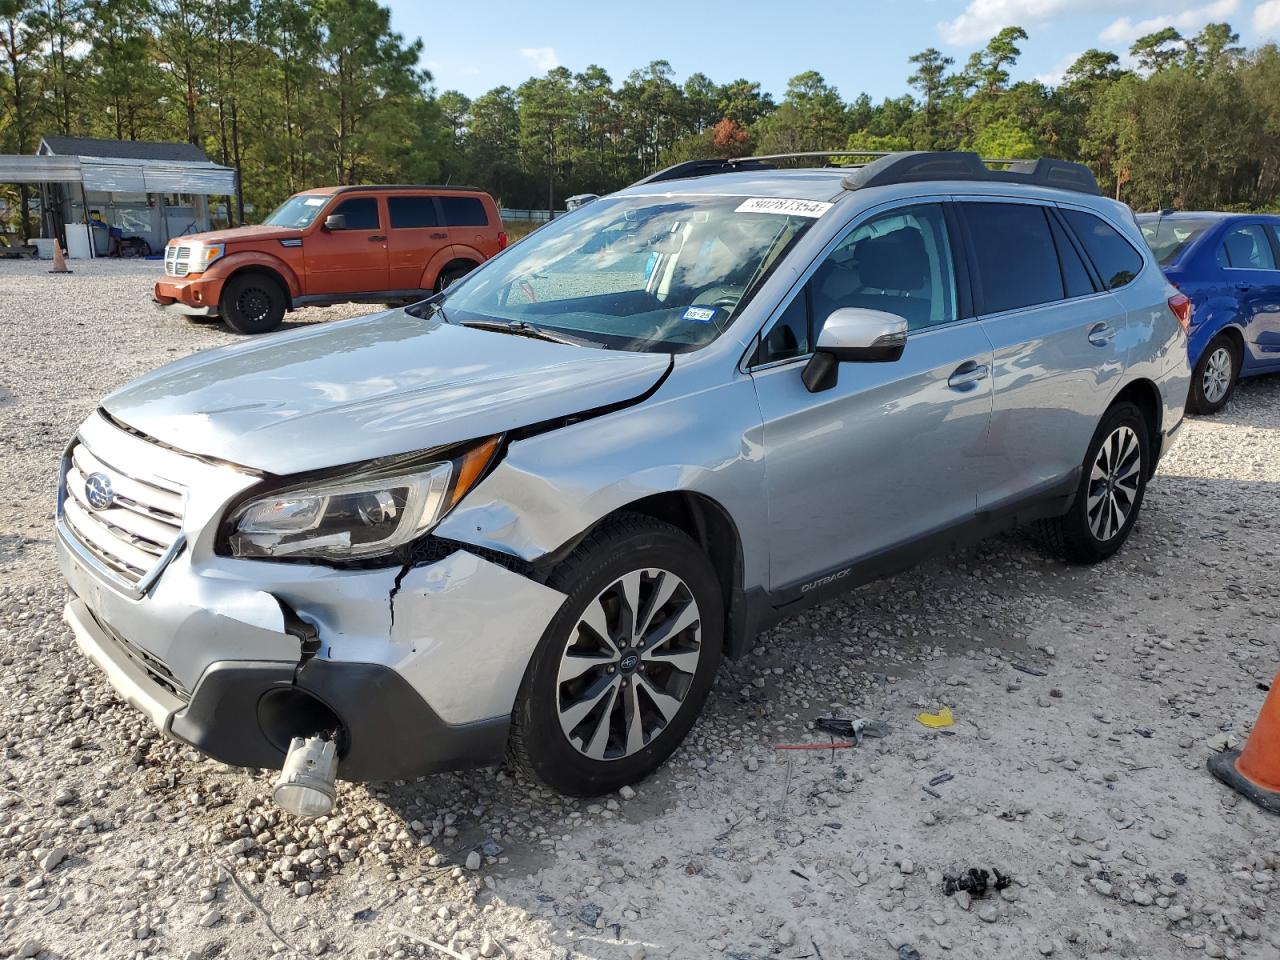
pixel 529 516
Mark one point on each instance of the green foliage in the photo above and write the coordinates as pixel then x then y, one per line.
pixel 296 93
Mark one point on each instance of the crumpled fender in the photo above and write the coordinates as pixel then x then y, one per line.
pixel 553 487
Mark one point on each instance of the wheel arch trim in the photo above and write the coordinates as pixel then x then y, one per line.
pixel 251 261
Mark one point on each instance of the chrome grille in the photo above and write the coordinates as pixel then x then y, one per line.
pixel 131 535
pixel 177 260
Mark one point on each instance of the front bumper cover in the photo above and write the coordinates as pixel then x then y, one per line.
pixel 389 731
pixel 197 297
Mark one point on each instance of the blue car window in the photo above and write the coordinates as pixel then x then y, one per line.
pixel 1246 248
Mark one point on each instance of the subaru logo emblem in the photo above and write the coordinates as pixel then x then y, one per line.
pixel 97 490
pixel 629 662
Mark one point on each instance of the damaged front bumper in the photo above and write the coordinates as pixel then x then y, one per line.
pixel 415 670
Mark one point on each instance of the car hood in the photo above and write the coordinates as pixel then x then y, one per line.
pixel 255 234
pixel 385 384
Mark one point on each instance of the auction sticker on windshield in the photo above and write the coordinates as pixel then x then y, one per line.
pixel 789 208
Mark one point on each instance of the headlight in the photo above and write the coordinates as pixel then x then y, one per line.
pixel 367 513
pixel 204 254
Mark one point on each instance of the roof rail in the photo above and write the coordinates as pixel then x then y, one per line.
pixel 913 167
pixel 702 168
pixel 905 167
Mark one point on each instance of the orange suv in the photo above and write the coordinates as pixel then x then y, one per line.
pixel 331 245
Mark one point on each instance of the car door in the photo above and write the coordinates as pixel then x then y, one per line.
pixel 890 453
pixel 1059 342
pixel 1268 342
pixel 415 236
pixel 1248 257
pixel 352 259
pixel 466 224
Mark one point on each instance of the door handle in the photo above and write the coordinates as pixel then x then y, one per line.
pixel 377 238
pixel 1244 287
pixel 1101 334
pixel 967 375
pixel 439 236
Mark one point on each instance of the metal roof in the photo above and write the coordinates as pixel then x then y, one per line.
pixel 118 175
pixel 18 168
pixel 121 149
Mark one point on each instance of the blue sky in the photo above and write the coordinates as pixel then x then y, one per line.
pixel 857 45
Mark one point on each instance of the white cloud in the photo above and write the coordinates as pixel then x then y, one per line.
pixel 1266 19
pixel 983 19
pixel 1053 76
pixel 1124 30
pixel 543 58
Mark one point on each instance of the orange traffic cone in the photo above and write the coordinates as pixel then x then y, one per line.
pixel 1255 770
pixel 59 261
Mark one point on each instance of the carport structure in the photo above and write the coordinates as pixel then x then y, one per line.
pixel 148 190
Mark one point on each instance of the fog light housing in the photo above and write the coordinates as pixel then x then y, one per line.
pixel 305 787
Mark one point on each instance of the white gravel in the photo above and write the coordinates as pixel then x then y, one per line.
pixel 1086 784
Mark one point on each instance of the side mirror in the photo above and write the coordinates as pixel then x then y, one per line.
pixel 335 221
pixel 853 334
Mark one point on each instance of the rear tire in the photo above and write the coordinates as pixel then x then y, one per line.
pixel 252 303
pixel 623 668
pixel 1112 485
pixel 1215 377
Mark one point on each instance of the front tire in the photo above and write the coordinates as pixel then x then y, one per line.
pixel 622 670
pixel 1215 377
pixel 252 303
pixel 1112 486
pixel 451 276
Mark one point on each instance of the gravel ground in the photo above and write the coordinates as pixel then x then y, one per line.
pixel 1085 704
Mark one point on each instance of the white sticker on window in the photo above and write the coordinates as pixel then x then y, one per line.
pixel 314 201
pixel 789 208
pixel 699 314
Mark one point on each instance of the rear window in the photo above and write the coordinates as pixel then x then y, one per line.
pixel 1015 256
pixel 464 212
pixel 410 212
pixel 1168 237
pixel 1113 256
pixel 1246 248
pixel 1075 275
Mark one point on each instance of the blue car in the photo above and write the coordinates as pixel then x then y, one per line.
pixel 1229 266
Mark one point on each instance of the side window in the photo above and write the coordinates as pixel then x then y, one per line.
pixel 898 262
pixel 1246 248
pixel 1017 264
pixel 1275 235
pixel 1113 256
pixel 409 212
pixel 464 212
pixel 1075 275
pixel 361 213
pixel 789 336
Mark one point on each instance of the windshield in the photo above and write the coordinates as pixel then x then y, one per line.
pixel 1169 236
pixel 656 274
pixel 298 211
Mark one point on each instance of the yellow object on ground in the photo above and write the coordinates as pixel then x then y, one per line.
pixel 942 718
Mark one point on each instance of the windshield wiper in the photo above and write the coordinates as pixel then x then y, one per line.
pixel 427 308
pixel 521 328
